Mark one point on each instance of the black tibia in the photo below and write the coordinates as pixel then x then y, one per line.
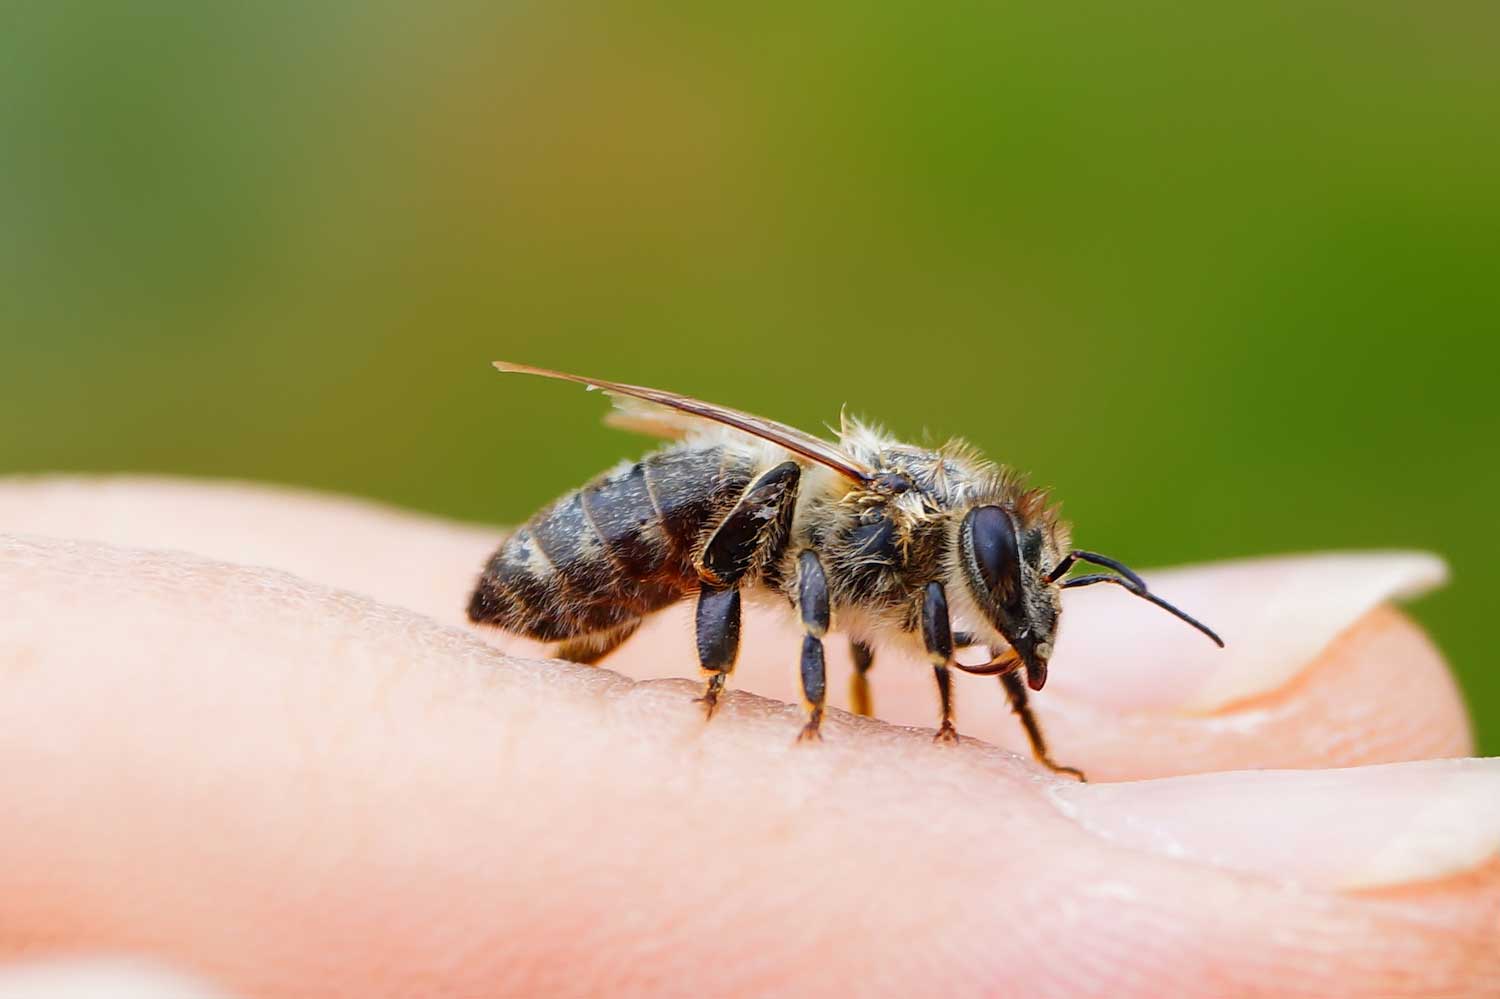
pixel 937 635
pixel 812 604
pixel 1015 689
pixel 762 514
pixel 937 630
pixel 859 683
pixel 718 639
pixel 589 649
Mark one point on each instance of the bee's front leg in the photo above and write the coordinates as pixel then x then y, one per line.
pixel 937 635
pixel 812 603
pixel 1015 689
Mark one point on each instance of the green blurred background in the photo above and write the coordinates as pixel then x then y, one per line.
pixel 1224 275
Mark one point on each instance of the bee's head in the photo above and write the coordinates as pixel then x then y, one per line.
pixel 1003 559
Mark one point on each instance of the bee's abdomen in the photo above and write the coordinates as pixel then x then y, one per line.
pixel 619 548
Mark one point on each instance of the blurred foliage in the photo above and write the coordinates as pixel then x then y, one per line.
pixel 1224 275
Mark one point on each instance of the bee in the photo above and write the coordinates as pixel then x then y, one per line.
pixel 932 549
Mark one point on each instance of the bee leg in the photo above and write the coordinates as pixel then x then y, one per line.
pixel 743 536
pixel 718 625
pixel 812 603
pixel 587 650
pixel 859 683
pixel 937 635
pixel 1015 689
pixel 946 732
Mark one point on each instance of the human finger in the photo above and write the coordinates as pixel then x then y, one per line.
pixel 293 790
pixel 1319 671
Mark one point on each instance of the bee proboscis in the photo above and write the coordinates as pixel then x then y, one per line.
pixel 894 543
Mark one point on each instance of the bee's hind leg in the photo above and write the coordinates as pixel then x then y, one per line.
pixel 760 517
pixel 718 627
pixel 1015 689
pixel 812 603
pixel 588 650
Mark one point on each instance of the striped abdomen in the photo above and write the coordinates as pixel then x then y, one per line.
pixel 621 547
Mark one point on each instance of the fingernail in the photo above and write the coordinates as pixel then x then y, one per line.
pixel 1276 615
pixel 1364 827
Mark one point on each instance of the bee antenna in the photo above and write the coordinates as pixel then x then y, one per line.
pixel 1127 579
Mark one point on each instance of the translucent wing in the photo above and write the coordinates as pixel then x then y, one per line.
pixel 637 417
pixel 641 417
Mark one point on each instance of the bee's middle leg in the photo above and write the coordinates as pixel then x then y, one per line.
pixel 812 603
pixel 937 636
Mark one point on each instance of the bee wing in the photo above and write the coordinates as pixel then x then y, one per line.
pixel 648 418
pixel 635 416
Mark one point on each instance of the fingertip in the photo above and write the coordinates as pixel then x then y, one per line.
pixel 1276 616
pixel 1379 693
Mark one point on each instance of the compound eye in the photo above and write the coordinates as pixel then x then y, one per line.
pixel 992 539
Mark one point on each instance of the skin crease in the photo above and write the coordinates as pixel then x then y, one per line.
pixel 288 788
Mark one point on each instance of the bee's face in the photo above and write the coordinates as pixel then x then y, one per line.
pixel 1004 563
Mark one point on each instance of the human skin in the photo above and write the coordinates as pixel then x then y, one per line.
pixel 248 733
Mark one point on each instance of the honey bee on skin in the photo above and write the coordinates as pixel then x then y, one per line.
pixel 891 542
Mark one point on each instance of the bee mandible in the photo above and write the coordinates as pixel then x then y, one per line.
pixel 932 549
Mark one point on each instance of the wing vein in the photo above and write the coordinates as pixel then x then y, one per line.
pixel 794 440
